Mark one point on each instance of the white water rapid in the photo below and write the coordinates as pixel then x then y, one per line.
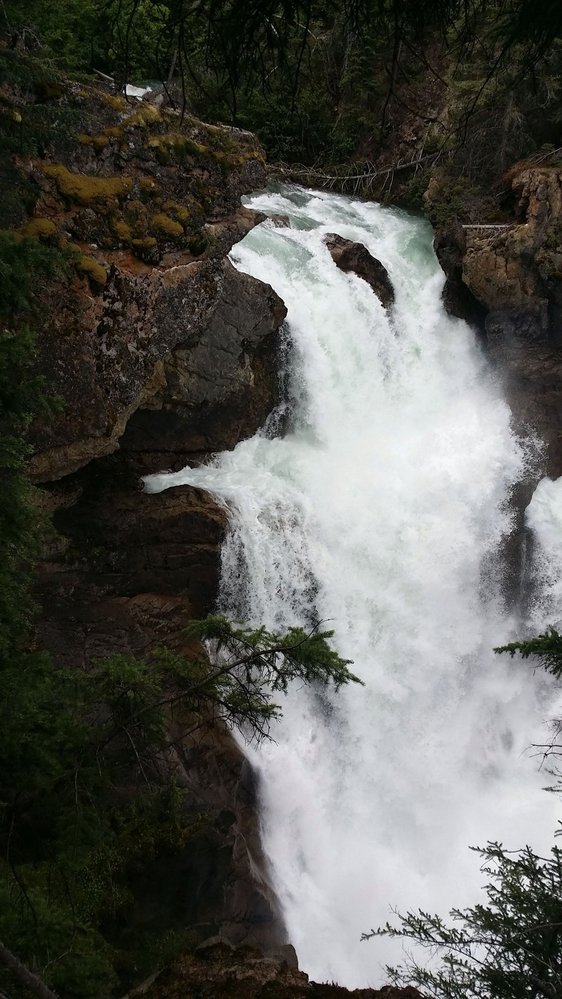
pixel 382 512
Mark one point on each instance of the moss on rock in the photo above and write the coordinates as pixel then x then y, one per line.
pixel 122 230
pixel 167 226
pixel 39 228
pixel 144 115
pixel 85 189
pixel 95 271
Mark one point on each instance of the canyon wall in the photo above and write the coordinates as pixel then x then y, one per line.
pixel 159 352
pixel 507 279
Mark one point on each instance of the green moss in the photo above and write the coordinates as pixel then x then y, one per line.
pixel 144 115
pixel 146 249
pixel 98 142
pixel 148 243
pixel 122 230
pixel 136 209
pixel 179 212
pixel 175 142
pixel 166 226
pixel 198 244
pixel 92 269
pixel 113 101
pixel 39 228
pixel 149 188
pixel 85 189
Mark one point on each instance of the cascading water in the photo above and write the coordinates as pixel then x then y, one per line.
pixel 381 512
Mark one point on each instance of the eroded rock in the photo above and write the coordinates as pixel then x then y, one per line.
pixel 150 315
pixel 125 573
pixel 223 972
pixel 450 247
pixel 221 386
pixel 146 202
pixel 514 273
pixel 144 342
pixel 355 258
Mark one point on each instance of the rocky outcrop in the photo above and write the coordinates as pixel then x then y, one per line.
pixel 125 573
pixel 218 390
pixel 223 972
pixel 143 342
pixel 159 352
pixel 144 204
pixel 508 279
pixel 355 258
pixel 152 211
pixel 217 885
pixel 450 246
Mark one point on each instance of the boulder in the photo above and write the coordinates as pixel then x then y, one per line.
pixel 220 386
pixel 110 355
pixel 355 257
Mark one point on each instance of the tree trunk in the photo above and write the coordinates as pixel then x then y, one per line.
pixel 24 975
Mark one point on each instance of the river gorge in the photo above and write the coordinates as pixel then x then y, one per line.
pixel 377 502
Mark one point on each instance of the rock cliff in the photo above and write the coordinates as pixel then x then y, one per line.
pixel 159 352
pixel 221 972
pixel 508 279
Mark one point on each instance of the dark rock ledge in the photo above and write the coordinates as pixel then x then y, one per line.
pixel 355 258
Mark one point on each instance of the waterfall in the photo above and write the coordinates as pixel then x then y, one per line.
pixel 382 512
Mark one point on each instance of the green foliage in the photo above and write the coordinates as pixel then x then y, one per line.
pixel 72 31
pixel 546 650
pixel 322 82
pixel 23 263
pixel 92 752
pixel 450 198
pixel 508 948
pixel 22 395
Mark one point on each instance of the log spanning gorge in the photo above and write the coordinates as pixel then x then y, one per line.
pixel 379 502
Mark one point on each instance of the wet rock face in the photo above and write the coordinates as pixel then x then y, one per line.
pixel 160 352
pixel 217 885
pixel 514 275
pixel 125 573
pixel 450 247
pixel 515 266
pixel 189 341
pixel 222 972
pixel 222 388
pixel 355 258
pixel 146 205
